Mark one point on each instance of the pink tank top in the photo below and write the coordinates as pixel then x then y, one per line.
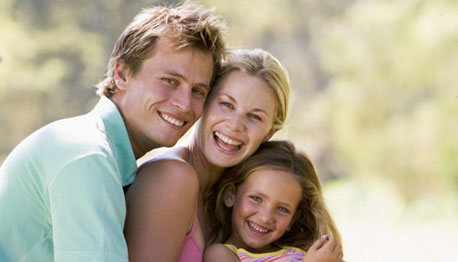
pixel 191 251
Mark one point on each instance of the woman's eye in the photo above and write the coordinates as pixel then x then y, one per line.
pixel 226 104
pixel 254 116
pixel 255 198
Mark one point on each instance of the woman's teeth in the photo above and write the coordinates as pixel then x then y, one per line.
pixel 227 140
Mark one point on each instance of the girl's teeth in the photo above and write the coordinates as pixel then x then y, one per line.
pixel 255 227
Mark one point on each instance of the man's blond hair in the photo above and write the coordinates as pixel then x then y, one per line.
pixel 188 25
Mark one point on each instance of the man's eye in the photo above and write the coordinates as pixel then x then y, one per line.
pixel 199 92
pixel 170 81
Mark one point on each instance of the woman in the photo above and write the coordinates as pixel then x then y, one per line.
pixel 247 105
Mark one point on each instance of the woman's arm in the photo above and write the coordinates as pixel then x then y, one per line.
pixel 219 253
pixel 160 210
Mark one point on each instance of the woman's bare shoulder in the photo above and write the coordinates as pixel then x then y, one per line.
pixel 175 160
pixel 219 252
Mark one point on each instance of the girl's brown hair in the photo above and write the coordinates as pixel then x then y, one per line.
pixel 312 217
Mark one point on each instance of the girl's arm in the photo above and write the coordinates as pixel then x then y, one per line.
pixel 219 253
pixel 160 209
pixel 325 249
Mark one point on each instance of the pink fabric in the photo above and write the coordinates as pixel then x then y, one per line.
pixel 191 251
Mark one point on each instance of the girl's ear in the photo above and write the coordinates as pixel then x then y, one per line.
pixel 295 217
pixel 270 134
pixel 120 76
pixel 229 196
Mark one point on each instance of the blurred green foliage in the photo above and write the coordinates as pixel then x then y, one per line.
pixel 374 82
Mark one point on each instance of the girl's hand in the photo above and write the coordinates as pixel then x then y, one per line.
pixel 325 249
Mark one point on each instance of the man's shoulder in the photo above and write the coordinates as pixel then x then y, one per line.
pixel 64 139
pixel 84 131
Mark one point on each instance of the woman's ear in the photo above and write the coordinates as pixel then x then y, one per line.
pixel 270 134
pixel 229 196
pixel 120 76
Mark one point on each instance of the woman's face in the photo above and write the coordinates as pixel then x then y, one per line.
pixel 237 119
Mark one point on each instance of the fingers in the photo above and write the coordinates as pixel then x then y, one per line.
pixel 340 256
pixel 333 244
pixel 319 243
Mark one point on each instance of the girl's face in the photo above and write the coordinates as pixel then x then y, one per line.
pixel 238 117
pixel 263 208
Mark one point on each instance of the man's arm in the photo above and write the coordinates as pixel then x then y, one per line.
pixel 88 210
pixel 160 210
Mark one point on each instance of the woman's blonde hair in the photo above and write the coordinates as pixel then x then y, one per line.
pixel 188 25
pixel 313 219
pixel 264 65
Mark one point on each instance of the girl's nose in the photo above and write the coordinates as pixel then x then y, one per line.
pixel 265 215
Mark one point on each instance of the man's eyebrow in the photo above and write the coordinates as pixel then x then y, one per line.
pixel 178 75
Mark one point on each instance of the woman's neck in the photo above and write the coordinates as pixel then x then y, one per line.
pixel 207 172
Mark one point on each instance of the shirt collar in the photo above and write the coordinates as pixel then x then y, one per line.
pixel 117 135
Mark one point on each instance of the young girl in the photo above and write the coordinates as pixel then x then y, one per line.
pixel 270 208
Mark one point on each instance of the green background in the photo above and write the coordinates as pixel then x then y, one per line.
pixel 374 103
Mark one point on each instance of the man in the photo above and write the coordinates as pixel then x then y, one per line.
pixel 61 189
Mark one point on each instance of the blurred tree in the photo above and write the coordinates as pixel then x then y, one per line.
pixel 393 92
pixel 374 86
pixel 52 53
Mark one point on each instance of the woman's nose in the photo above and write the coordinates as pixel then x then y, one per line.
pixel 235 123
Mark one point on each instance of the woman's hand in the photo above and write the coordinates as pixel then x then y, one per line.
pixel 325 249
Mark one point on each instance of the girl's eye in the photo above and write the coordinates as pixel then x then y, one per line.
pixel 254 116
pixel 255 198
pixel 283 210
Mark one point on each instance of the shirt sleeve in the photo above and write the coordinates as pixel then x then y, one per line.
pixel 88 211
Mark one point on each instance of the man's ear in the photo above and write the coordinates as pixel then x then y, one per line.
pixel 121 75
pixel 270 134
pixel 229 196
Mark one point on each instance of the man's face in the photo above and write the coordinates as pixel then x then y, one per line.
pixel 165 97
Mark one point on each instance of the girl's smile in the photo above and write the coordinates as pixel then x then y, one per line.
pixel 263 208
